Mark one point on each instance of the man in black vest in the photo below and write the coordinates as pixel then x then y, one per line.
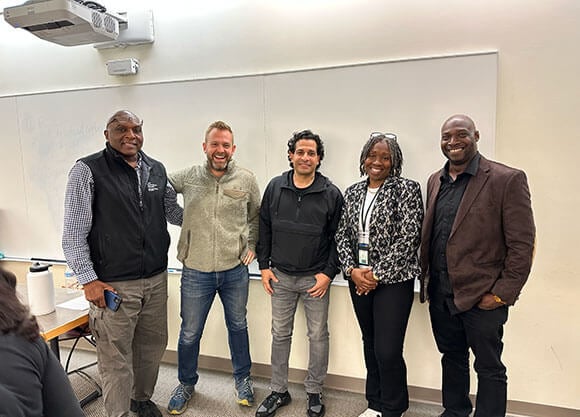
pixel 115 238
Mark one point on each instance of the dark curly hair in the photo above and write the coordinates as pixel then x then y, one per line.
pixel 396 155
pixel 309 135
pixel 15 316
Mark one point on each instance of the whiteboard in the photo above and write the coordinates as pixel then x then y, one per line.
pixel 44 134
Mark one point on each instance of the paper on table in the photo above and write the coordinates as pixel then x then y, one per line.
pixel 79 303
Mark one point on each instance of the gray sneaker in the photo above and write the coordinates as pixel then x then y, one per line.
pixel 180 398
pixel 245 392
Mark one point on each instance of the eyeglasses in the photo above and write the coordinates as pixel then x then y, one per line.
pixel 381 135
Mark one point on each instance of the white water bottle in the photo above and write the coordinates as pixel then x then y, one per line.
pixel 70 280
pixel 40 289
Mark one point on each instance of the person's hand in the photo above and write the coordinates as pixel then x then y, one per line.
pixel 364 280
pixel 267 276
pixel 489 302
pixel 321 286
pixel 250 255
pixel 95 292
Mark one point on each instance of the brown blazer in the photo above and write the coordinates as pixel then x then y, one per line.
pixel 491 244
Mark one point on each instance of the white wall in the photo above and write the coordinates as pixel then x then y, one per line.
pixel 538 102
pixel 345 103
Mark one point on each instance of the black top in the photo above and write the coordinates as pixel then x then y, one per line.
pixel 297 226
pixel 448 200
pixel 35 378
pixel 9 404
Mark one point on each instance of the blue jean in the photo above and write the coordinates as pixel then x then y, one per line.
pixel 287 291
pixel 198 290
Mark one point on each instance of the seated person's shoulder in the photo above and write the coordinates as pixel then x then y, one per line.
pixel 10 406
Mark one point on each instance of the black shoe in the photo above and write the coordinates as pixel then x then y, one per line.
pixel 272 402
pixel 315 407
pixel 145 408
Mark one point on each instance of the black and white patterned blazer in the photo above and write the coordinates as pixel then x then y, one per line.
pixel 395 229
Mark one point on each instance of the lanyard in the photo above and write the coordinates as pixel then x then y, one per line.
pixel 364 215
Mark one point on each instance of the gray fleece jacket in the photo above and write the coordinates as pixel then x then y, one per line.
pixel 220 219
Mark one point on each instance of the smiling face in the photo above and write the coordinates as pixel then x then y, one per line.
pixel 378 164
pixel 219 148
pixel 305 157
pixel 124 133
pixel 459 141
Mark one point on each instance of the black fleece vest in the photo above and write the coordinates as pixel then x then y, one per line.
pixel 127 240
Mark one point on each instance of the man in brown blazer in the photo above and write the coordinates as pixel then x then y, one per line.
pixel 476 254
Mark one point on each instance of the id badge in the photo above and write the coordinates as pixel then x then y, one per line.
pixel 363 255
pixel 363 249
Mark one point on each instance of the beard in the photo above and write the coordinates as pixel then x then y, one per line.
pixel 219 166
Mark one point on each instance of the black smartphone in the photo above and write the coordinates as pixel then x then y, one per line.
pixel 112 300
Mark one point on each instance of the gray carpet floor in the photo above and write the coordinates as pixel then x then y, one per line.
pixel 214 396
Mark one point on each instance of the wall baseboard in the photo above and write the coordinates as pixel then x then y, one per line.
pixel 346 383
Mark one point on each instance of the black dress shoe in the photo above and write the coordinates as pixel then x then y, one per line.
pixel 145 408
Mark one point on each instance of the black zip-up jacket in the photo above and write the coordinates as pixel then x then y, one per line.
pixel 297 226
pixel 129 237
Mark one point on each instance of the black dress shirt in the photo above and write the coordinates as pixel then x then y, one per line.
pixel 448 200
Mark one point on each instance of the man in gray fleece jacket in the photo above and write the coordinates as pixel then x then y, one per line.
pixel 217 242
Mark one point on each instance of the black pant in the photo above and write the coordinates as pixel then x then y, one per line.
pixel 482 332
pixel 383 315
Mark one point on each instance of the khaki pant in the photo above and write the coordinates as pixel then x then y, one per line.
pixel 131 342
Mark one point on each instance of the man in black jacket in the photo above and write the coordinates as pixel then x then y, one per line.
pixel 115 238
pixel 297 257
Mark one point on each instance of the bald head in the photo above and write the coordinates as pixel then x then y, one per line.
pixel 124 116
pixel 462 118
pixel 459 142
pixel 124 133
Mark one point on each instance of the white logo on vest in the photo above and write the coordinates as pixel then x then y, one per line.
pixel 152 187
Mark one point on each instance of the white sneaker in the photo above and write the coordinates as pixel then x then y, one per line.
pixel 369 412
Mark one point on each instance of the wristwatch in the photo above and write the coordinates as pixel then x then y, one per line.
pixel 498 299
pixel 348 271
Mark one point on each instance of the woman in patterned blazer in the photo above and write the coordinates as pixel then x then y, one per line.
pixel 377 238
